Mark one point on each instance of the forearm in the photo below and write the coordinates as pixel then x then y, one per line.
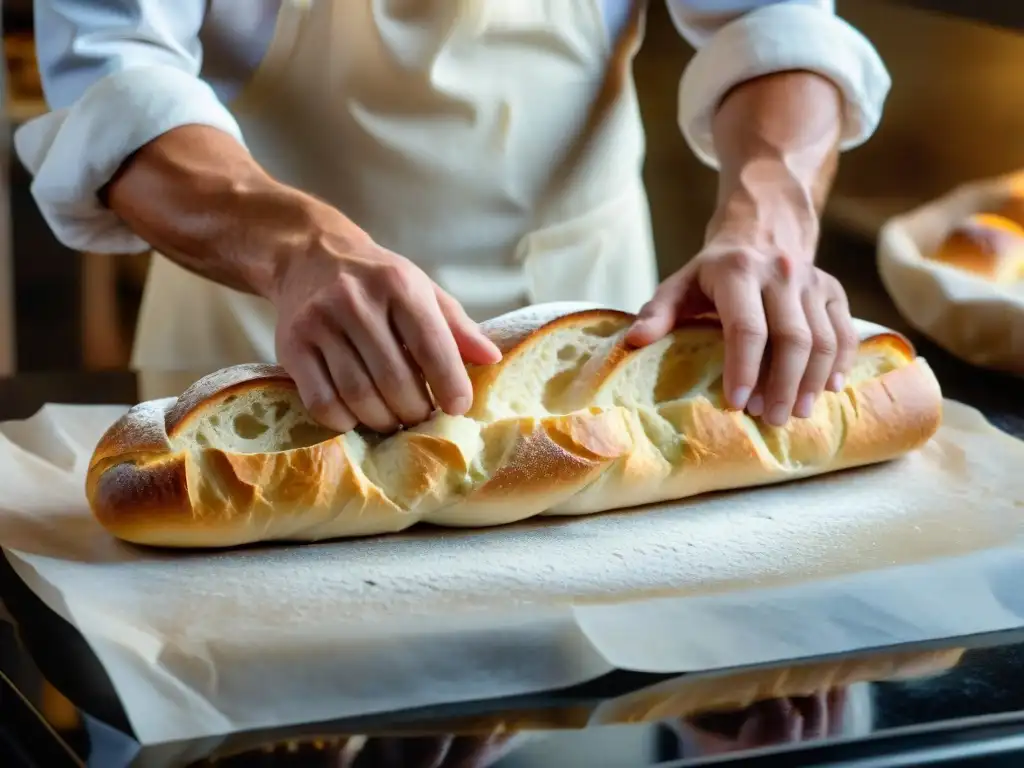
pixel 777 139
pixel 196 195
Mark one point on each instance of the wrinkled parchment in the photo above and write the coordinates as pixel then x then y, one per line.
pixel 211 643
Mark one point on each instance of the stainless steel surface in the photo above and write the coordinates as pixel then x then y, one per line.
pixel 968 710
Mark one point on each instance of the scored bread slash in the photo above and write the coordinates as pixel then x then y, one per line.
pixel 571 421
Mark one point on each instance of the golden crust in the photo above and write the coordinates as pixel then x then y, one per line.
pixel 988 245
pixel 1012 207
pixel 151 482
pixel 142 490
pixel 576 449
pixel 891 415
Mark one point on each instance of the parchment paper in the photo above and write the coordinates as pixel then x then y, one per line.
pixel 204 644
pixel 975 319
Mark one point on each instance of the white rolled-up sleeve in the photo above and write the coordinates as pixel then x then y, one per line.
pixel 116 74
pixel 737 40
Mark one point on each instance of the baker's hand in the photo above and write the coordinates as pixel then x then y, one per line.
pixel 450 751
pixel 768 302
pixel 769 723
pixel 368 337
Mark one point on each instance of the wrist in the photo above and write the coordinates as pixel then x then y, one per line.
pixel 767 208
pixel 300 228
pixel 777 139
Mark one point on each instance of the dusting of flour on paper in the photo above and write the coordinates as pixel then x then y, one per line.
pixel 913 509
pixel 445 615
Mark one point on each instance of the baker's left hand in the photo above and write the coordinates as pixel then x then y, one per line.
pixel 788 330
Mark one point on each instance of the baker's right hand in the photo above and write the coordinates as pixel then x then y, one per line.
pixel 364 333
pixel 785 720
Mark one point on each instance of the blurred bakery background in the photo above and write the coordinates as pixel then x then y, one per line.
pixel 956 113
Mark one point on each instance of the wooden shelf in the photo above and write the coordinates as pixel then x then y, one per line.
pixel 23 110
pixel 24 98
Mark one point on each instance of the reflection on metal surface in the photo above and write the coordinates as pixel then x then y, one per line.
pixel 697 696
pixel 21 715
pixel 57 710
pixel 818 702
pixel 709 715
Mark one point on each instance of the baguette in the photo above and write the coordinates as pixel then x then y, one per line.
pixel 571 421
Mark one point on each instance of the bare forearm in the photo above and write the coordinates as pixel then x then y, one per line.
pixel 366 335
pixel 197 196
pixel 777 139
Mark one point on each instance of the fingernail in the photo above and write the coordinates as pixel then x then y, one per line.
pixel 739 398
pixel 755 407
pixel 804 406
pixel 835 382
pixel 459 405
pixel 778 415
pixel 639 336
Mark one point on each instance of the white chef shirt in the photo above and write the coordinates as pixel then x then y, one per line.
pixel 119 73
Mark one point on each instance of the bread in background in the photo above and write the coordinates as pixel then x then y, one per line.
pixel 988 245
pixel 1013 207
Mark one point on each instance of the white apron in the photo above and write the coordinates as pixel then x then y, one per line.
pixel 495 143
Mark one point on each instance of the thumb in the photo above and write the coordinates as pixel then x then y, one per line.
pixel 659 315
pixel 473 344
pixel 654 321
